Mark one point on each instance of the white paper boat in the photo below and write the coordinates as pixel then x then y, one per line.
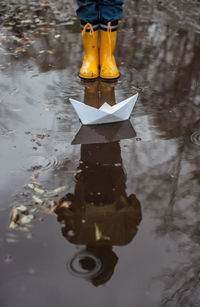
pixel 106 113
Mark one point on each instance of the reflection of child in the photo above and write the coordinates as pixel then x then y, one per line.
pixel 99 214
pixel 103 15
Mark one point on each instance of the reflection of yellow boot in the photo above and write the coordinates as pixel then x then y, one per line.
pixel 89 69
pixel 108 65
pixel 107 93
pixel 91 94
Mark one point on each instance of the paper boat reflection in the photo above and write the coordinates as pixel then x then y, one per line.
pixel 104 133
pixel 106 113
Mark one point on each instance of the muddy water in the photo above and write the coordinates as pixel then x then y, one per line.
pixel 125 228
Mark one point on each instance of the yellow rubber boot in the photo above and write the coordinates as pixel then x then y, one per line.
pixel 109 70
pixel 89 69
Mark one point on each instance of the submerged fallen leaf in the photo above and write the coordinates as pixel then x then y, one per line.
pixel 51 51
pixel 35 176
pixel 14 217
pixel 40 136
pixel 65 205
pixel 27 219
pixel 26 41
pixel 37 199
pixel 38 190
pixel 56 191
pixel 21 208
pixel 16 110
pixel 35 187
pixel 47 29
pixel 19 49
pixel 14 91
pixel 51 203
pixel 44 4
pixel 11 131
pixel 33 210
pixel 49 211
pixel 30 185
pixel 26 21
pixel 11 240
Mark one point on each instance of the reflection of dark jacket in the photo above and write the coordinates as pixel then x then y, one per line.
pixel 100 200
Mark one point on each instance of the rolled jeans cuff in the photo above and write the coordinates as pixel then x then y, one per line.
pixel 95 25
pixel 103 24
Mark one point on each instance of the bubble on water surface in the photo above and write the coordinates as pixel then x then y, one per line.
pixel 195 138
pixel 85 265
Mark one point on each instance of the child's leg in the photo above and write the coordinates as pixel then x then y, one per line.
pixel 88 14
pixel 110 13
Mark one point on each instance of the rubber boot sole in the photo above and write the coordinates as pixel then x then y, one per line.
pixel 88 79
pixel 109 80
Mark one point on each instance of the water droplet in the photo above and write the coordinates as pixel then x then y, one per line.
pixel 84 264
pixel 36 162
pixel 71 233
pixel 173 176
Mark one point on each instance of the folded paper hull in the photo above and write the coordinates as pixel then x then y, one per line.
pixel 106 114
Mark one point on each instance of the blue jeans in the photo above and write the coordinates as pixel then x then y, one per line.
pixel 99 12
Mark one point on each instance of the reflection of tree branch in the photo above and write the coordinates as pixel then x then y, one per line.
pixel 186 286
pixel 176 179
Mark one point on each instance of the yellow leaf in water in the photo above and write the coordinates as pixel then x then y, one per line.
pixel 26 21
pixel 97 232
pixel 44 4
pixel 14 91
pixel 49 211
pixel 56 191
pixel 51 51
pixel 64 205
pixel 19 49
pixel 13 218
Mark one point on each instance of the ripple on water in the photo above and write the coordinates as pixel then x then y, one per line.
pixel 84 264
pixel 38 163
pixel 195 137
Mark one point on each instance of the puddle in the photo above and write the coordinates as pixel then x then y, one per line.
pixel 99 216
